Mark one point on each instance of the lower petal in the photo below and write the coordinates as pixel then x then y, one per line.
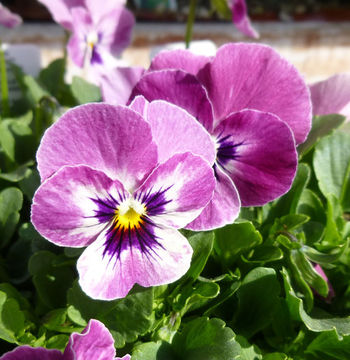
pixel 65 208
pixel 30 353
pixel 223 208
pixel 95 342
pixel 263 159
pixel 106 276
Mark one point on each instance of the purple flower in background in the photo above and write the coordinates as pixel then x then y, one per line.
pixel 256 107
pixel 100 31
pixel 332 96
pixel 331 292
pixel 107 186
pixel 95 342
pixel 241 19
pixel 8 18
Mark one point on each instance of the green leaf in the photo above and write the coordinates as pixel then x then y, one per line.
pixel 248 351
pixel 205 338
pixel 328 346
pixel 11 200
pixel 256 312
pixel 126 318
pixel 18 174
pixel 332 166
pixel 58 342
pixel 35 90
pixel 221 6
pixel 154 351
pixel 324 258
pixel 264 254
pixel 52 77
pixel 11 319
pixel 7 140
pixel 321 126
pixel 276 356
pixel 85 92
pixel 202 244
pixel 30 183
pixel 233 240
pixel 318 320
pixel 51 278
pixel 306 270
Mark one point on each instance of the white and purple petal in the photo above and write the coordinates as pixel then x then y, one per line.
pixel 74 206
pixel 254 76
pixel 241 19
pixel 174 131
pixel 157 258
pixel 29 353
pixel 222 209
pixel 95 342
pixel 332 96
pixel 178 190
pixel 112 139
pixel 180 88
pixel 257 150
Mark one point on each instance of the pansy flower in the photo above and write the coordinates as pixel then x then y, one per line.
pixel 332 96
pixel 8 18
pixel 95 342
pixel 100 31
pixel 256 107
pixel 241 19
pixel 107 186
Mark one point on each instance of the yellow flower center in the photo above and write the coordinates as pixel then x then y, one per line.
pixel 129 214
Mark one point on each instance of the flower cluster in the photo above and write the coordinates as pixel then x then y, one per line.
pixel 95 342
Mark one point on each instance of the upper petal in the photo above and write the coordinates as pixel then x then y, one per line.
pixel 30 353
pixel 179 60
pixel 105 276
pixel 222 209
pixel 257 150
pixel 174 131
pixel 177 191
pixel 72 207
pixel 117 83
pixel 95 342
pixel 179 88
pixel 241 19
pixel 112 139
pixel 254 76
pixel 331 96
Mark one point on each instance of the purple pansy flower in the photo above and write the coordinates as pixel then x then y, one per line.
pixel 107 186
pixel 256 107
pixel 331 292
pixel 332 96
pixel 241 19
pixel 95 342
pixel 99 31
pixel 8 18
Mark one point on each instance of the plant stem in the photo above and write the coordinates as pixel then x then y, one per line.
pixel 4 85
pixel 190 22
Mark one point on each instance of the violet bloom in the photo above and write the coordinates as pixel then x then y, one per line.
pixel 332 96
pixel 95 342
pixel 241 19
pixel 8 18
pixel 331 292
pixel 254 104
pixel 105 185
pixel 100 31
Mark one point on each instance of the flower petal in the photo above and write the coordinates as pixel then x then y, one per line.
pixel 112 139
pixel 331 96
pixel 179 60
pixel 177 191
pixel 8 18
pixel 117 83
pixel 174 131
pixel 140 105
pixel 241 19
pixel 258 154
pixel 94 7
pixel 254 76
pixel 179 88
pixel 95 342
pixel 223 208
pixel 67 208
pixel 30 353
pixel 104 276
